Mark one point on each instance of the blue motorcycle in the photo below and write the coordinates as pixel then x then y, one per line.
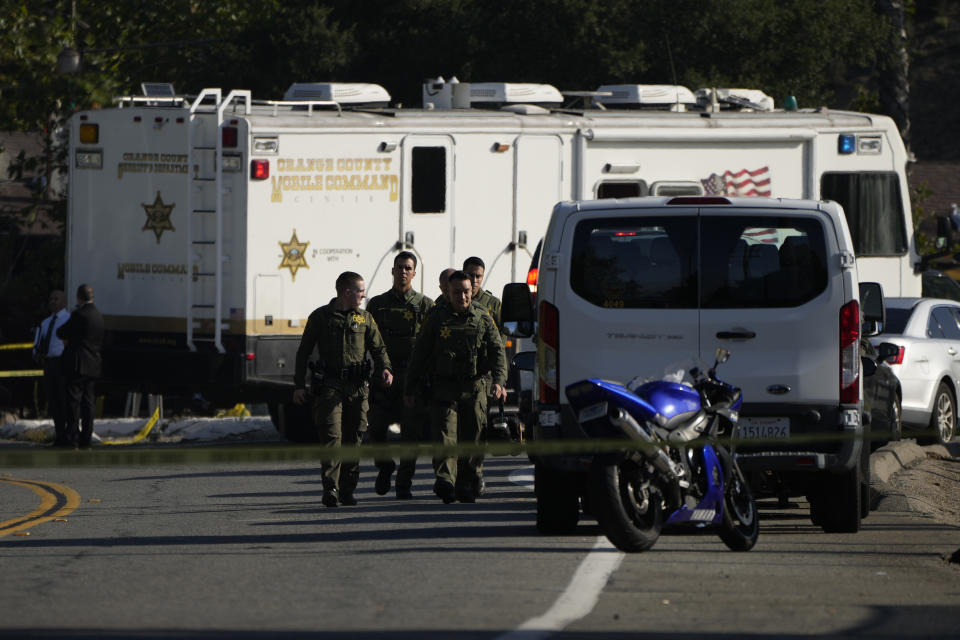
pixel 680 467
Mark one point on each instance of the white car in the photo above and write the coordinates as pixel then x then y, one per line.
pixel 927 334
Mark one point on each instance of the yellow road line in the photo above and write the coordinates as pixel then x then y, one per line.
pixel 56 501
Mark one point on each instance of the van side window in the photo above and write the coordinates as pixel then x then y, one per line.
pixel 761 261
pixel 636 262
pixel 428 180
pixel 871 201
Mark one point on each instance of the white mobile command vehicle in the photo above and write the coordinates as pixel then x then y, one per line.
pixel 628 287
pixel 211 227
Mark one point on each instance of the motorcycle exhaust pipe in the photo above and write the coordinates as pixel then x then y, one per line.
pixel 654 453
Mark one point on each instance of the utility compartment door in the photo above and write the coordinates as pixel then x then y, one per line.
pixel 427 223
pixel 771 294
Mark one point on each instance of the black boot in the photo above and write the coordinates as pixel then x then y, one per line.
pixel 445 490
pixel 330 497
pixel 382 485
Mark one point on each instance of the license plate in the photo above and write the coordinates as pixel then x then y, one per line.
pixel 592 412
pixel 762 428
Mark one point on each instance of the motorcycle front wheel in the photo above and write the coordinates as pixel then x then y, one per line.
pixel 628 507
pixel 740 524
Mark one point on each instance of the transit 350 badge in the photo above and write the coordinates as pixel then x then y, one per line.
pixel 293 255
pixel 158 216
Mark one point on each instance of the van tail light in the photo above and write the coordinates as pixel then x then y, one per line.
pixel 548 364
pixel 532 279
pixel 850 353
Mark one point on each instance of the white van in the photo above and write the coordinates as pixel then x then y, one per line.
pixel 627 287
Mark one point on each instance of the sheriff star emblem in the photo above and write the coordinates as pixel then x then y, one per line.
pixel 158 216
pixel 293 255
pixel 407 314
pixel 445 332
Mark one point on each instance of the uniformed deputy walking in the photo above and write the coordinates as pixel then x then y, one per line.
pixel 399 313
pixel 444 280
pixel 342 334
pixel 475 268
pixel 457 346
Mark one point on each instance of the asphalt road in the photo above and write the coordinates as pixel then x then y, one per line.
pixel 247 551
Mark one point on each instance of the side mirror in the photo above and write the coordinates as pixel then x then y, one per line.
pixel 868 366
pixel 516 310
pixel 872 309
pixel 525 361
pixel 887 350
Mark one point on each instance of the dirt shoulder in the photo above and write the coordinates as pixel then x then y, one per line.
pixel 923 480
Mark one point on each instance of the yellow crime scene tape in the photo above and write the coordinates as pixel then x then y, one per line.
pixel 178 453
pixel 19 373
pixel 142 434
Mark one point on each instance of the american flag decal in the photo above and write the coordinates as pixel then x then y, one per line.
pixel 739 183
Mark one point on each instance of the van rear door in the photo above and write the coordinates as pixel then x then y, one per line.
pixel 771 292
pixel 630 307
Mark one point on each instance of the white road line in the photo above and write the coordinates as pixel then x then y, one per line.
pixel 580 596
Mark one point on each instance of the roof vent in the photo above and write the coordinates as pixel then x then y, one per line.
pixel 453 94
pixel 646 96
pixel 734 99
pixel 345 93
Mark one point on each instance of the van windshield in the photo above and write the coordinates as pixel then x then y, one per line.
pixel 750 261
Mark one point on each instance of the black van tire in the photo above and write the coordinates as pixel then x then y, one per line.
pixel 837 507
pixel 558 500
pixel 612 503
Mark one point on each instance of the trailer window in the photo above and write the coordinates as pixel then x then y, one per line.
pixel 636 263
pixel 872 204
pixel 429 180
pixel 751 262
pixel 621 189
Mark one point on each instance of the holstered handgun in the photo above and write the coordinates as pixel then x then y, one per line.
pixel 316 377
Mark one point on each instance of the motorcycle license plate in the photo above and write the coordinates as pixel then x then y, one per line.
pixel 761 428
pixel 592 412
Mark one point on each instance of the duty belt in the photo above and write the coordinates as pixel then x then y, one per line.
pixel 343 373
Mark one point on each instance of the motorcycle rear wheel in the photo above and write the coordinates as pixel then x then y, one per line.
pixel 630 512
pixel 740 524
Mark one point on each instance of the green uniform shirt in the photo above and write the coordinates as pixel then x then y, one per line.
pixel 399 317
pixel 456 348
pixel 491 303
pixel 342 339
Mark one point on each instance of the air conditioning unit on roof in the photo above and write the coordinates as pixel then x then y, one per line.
pixel 453 94
pixel 645 95
pixel 345 93
pixel 513 93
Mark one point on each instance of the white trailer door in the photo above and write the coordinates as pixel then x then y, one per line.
pixel 428 218
pixel 538 187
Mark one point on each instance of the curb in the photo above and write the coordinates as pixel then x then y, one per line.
pixel 896 456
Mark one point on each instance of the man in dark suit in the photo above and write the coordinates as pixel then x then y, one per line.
pixel 82 335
